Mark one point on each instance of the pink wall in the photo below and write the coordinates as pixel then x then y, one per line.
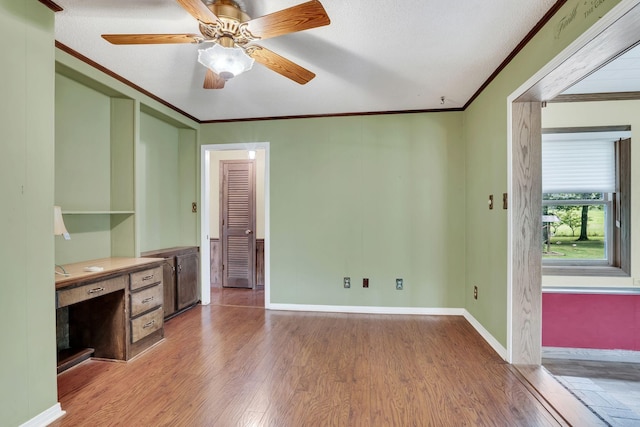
pixel 591 321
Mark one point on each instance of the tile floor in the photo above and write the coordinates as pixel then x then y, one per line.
pixel 613 400
pixel 609 387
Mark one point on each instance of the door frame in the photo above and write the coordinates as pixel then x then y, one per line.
pixel 205 194
pixel 612 34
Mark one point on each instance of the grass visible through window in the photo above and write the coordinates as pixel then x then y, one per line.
pixel 569 248
pixel 565 244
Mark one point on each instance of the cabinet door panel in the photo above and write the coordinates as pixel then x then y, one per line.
pixel 169 286
pixel 187 279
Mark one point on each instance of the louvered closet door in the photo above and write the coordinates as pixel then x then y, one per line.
pixel 238 223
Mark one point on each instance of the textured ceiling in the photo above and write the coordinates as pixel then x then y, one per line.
pixel 376 55
pixel 620 75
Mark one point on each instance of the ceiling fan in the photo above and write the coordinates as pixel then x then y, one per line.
pixel 232 34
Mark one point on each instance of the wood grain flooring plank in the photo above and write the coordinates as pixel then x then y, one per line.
pixel 235 366
pixel 572 411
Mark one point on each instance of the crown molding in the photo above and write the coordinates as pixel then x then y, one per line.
pixel 121 79
pixel 51 5
pixel 543 21
pixel 530 35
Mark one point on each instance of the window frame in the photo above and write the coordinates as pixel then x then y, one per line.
pixel 609 243
pixel 617 220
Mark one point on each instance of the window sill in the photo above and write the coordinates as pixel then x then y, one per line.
pixel 584 270
pixel 594 291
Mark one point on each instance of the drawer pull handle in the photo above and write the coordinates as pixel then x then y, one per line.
pixel 149 324
pixel 149 277
pixel 147 300
pixel 95 290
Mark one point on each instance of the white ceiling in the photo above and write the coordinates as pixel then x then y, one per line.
pixel 620 75
pixel 376 55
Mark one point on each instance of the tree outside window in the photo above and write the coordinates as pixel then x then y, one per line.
pixel 585 184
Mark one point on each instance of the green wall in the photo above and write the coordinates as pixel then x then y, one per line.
pixel 83 120
pixel 82 169
pixel 167 176
pixel 485 136
pixel 127 171
pixel 373 196
pixel 27 317
pixel 380 197
pixel 189 186
pixel 390 196
pixel 159 186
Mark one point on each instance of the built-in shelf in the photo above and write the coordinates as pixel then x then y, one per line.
pixel 98 212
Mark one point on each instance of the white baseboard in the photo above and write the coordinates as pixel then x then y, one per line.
pixel 497 347
pixel 502 352
pixel 592 354
pixel 368 309
pixel 45 418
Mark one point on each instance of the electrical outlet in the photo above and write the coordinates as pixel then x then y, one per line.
pixel 347 282
pixel 475 292
pixel 399 284
pixel 365 283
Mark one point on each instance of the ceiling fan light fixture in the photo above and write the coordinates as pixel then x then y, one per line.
pixel 227 62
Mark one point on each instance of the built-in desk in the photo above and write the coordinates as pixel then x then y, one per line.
pixel 115 313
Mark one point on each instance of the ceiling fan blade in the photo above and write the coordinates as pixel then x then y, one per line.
pixel 212 80
pixel 297 18
pixel 280 65
pixel 151 38
pixel 199 10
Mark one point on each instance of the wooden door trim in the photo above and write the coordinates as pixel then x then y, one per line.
pixel 207 156
pixel 526 239
pixel 614 32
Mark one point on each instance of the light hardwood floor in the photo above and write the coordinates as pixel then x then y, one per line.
pixel 238 297
pixel 222 365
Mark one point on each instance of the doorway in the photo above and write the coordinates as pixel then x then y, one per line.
pixel 609 37
pixel 210 218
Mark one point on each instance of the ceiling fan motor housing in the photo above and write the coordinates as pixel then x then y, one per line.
pixel 228 9
pixel 227 31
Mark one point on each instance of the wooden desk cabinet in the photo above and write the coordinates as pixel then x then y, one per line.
pixel 181 278
pixel 113 314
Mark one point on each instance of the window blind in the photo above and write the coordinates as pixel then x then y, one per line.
pixel 575 166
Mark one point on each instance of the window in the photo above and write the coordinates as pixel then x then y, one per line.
pixel 585 201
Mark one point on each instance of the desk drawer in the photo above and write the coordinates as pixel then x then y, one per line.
pixel 146 324
pixel 144 278
pixel 67 297
pixel 146 299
